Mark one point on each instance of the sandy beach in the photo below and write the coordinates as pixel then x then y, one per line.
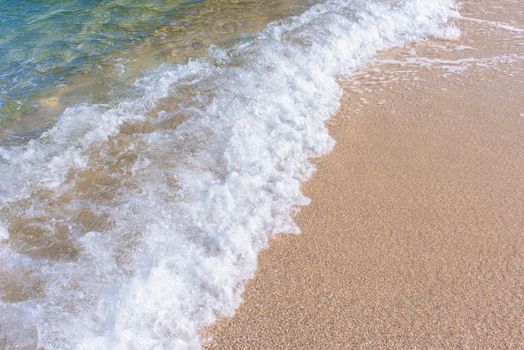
pixel 414 237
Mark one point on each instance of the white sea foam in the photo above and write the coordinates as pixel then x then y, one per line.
pixel 4 234
pixel 216 172
pixel 500 25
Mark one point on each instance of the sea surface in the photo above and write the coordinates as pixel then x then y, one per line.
pixel 149 150
pixel 57 53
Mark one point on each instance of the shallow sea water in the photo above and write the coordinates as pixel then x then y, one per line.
pixel 54 54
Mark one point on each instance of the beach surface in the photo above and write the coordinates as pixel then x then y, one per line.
pixel 414 237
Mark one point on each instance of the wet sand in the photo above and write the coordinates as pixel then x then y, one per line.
pixel 414 237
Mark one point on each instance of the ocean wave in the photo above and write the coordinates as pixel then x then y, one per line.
pixel 132 226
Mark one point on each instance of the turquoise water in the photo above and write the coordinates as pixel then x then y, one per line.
pixel 42 43
pixel 59 53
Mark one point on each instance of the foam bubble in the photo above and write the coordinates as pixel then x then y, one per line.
pixel 4 234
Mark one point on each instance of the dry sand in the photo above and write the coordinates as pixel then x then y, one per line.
pixel 414 238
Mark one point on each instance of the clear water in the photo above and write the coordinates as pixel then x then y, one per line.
pixel 56 53
pixel 42 43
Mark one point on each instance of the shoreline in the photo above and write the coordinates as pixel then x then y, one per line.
pixel 138 221
pixel 413 235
